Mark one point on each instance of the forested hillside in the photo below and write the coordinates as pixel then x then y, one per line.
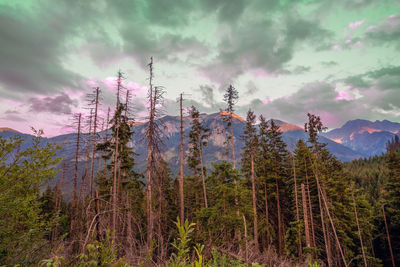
pixel 265 204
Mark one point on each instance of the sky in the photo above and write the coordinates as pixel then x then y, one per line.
pixel 337 59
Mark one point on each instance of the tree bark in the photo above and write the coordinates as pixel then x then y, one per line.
pixel 94 141
pixel 74 198
pixel 388 235
pixel 203 180
pixel 181 193
pixel 297 207
pixel 305 215
pixel 253 185
pixel 359 230
pixel 280 227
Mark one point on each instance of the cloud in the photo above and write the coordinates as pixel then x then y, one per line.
pixel 263 44
pixel 388 31
pixel 371 95
pixel 207 93
pixel 329 63
pixel 58 104
pixel 33 47
pixel 381 88
pixel 251 88
pixel 15 117
pixel 300 70
pixel 356 24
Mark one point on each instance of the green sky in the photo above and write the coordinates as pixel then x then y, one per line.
pixel 339 59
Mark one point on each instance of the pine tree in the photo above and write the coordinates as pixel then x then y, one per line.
pixel 278 171
pixel 230 97
pixel 391 199
pixel 198 136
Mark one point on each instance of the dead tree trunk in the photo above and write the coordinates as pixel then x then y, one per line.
pixel 325 201
pixel 305 215
pixel 266 212
pixel 107 126
pixel 86 174
pixel 74 193
pixel 328 252
pixel 116 150
pixel 297 206
pixel 181 193
pixel 246 250
pixel 203 179
pixel 253 185
pixel 359 230
pixel 310 213
pixel 97 207
pixel 280 227
pixel 149 161
pixel 388 236
pixel 96 103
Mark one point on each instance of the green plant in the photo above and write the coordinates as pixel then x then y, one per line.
pixel 101 254
pixel 312 263
pixel 181 257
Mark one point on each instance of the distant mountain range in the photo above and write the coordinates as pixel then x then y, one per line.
pixel 355 139
pixel 366 137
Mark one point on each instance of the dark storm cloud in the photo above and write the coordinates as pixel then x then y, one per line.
pixel 227 11
pixel 33 46
pixel 387 32
pixel 207 94
pixel 30 53
pixel 382 89
pixel 262 45
pixel 141 43
pixel 59 104
pixel 357 81
pixel 251 88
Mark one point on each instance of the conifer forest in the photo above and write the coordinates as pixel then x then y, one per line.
pixel 274 207
pixel 199 133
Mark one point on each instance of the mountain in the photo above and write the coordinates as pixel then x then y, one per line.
pixel 6 129
pixel 215 150
pixel 366 137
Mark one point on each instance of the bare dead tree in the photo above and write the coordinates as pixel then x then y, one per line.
pixel 310 213
pixel 103 140
pixel 116 166
pixel 96 104
pixel 150 135
pixel 154 142
pixel 107 128
pixel 358 228
pixel 181 193
pixel 388 236
pixel 305 216
pixel 86 175
pixel 78 117
pixel 297 205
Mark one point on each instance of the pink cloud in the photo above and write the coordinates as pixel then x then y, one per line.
pixel 336 47
pixel 329 118
pixel 356 24
pixel 136 88
pixel 92 83
pixel 266 100
pixel 344 95
pixel 110 82
pixel 261 73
